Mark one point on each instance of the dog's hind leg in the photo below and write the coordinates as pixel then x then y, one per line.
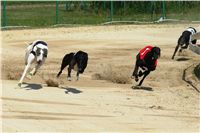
pixel 66 61
pixel 135 73
pixel 30 60
pixel 69 73
pixel 175 51
pixel 77 75
pixel 138 62
pixel 72 64
pixel 61 69
pixel 145 74
pixel 181 41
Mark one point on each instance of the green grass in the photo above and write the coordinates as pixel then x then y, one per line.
pixel 191 14
pixel 44 17
pixel 43 14
pixel 31 17
pixel 81 17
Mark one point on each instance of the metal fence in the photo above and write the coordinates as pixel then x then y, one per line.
pixel 48 13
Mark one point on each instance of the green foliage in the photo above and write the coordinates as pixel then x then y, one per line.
pixel 31 16
pixel 19 2
pixel 43 13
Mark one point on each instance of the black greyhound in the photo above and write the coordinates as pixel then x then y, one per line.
pixel 146 59
pixel 185 39
pixel 77 61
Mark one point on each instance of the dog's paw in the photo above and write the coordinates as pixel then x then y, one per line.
pixel 29 76
pixel 19 85
pixel 136 79
pixel 68 78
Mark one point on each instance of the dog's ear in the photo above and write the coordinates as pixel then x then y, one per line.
pixel 45 52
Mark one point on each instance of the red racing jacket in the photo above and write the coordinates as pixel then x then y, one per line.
pixel 143 52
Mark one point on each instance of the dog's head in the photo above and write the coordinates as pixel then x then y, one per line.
pixel 82 59
pixel 41 54
pixel 156 52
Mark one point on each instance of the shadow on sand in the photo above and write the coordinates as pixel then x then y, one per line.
pixel 182 59
pixel 31 86
pixel 142 88
pixel 71 90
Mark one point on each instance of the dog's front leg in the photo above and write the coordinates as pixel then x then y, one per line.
pixel 30 60
pixel 69 73
pixel 77 75
pixel 145 74
pixel 23 75
pixel 37 66
pixel 30 74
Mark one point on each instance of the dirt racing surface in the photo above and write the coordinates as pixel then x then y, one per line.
pixel 95 104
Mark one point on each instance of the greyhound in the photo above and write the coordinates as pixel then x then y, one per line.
pixel 35 52
pixel 185 39
pixel 77 61
pixel 146 59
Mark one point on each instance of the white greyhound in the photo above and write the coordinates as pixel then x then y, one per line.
pixel 35 52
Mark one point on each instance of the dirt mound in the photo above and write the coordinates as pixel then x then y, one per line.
pixel 197 71
pixel 52 83
pixel 11 71
pixel 189 76
pixel 120 74
pixel 45 75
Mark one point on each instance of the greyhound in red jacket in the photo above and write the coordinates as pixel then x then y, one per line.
pixel 146 59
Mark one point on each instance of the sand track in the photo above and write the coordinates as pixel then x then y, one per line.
pixel 98 105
